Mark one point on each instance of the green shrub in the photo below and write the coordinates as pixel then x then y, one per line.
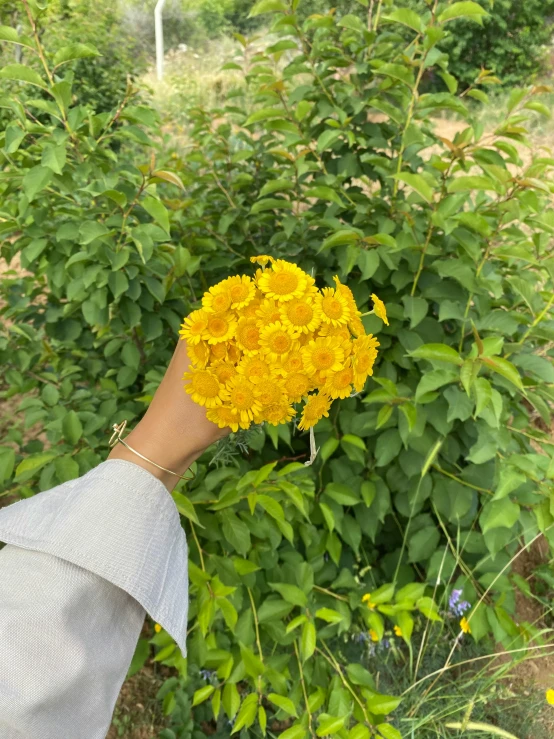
pixel 430 480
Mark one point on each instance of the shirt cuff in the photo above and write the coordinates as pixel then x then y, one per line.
pixel 119 522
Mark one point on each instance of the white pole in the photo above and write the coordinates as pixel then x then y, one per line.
pixel 159 32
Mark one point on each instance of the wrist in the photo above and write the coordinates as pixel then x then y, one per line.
pixel 161 449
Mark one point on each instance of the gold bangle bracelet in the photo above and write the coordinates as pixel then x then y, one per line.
pixel 116 438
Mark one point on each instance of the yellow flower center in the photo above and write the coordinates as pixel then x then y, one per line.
pixel 323 358
pixel 239 293
pixel 283 283
pixel 364 362
pixel 275 412
pixel 332 307
pixel 205 384
pixel 225 371
pixel 342 379
pixel 249 336
pixel 300 314
pixel 256 369
pixel 294 362
pixel 315 407
pixel 280 342
pixel 219 351
pixel 221 302
pixel 242 397
pixel 270 394
pixel 217 326
pixel 297 385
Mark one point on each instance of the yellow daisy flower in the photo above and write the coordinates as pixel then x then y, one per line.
pixel 367 600
pixel 398 631
pixel 241 289
pixel 224 370
pixel 253 306
pixel 221 327
pixel 268 312
pixel 284 281
pixel 205 388
pixel 550 697
pixel 373 634
pixel 218 352
pixel 339 384
pixel 296 386
pixel 363 359
pixel 293 362
pixel 243 397
pixel 263 259
pixel 277 413
pixel 157 628
pixel 194 326
pixel 316 407
pixel 270 393
pixel 323 355
pixel 248 336
pixel 217 299
pixel 224 417
pixel 379 309
pixel 464 626
pixel 276 341
pixel 198 354
pixel 256 369
pixel 300 315
pixel 356 326
pixel 334 307
pixel 346 291
pixel 342 332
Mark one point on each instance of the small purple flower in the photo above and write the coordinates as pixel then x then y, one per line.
pixel 456 607
pixel 361 637
pixel 206 674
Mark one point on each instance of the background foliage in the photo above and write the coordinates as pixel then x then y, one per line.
pixel 431 479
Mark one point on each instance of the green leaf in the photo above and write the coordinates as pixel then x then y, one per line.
pixel 383 704
pixel 499 513
pixel 471 182
pixel 157 210
pixel 7 33
pixel 21 73
pixel 489 729
pixel 270 204
pixel 72 427
pixel 417 183
pixel 406 17
pixel 340 238
pixel 307 641
pixel 230 700
pixel 297 731
pixel 247 713
pixel 142 652
pixel 341 494
pixel 423 544
pixel 415 309
pixel 330 725
pixel 202 694
pixel 322 192
pixel 36 179
pixel 235 531
pixel 74 51
pixel 32 464
pixel 291 593
pixel 504 368
pixel 467 9
pixel 185 507
pixel 329 615
pixel 388 731
pixel 284 703
pixel 268 6
pixel 66 468
pixel 54 157
pixel 397 72
pixel 253 664
pixel 437 353
pixel 7 463
pixel 118 283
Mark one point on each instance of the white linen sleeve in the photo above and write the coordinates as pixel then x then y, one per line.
pixel 83 563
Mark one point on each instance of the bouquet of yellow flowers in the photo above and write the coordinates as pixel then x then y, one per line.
pixel 259 346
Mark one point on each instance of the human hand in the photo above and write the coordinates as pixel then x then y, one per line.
pixel 174 430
